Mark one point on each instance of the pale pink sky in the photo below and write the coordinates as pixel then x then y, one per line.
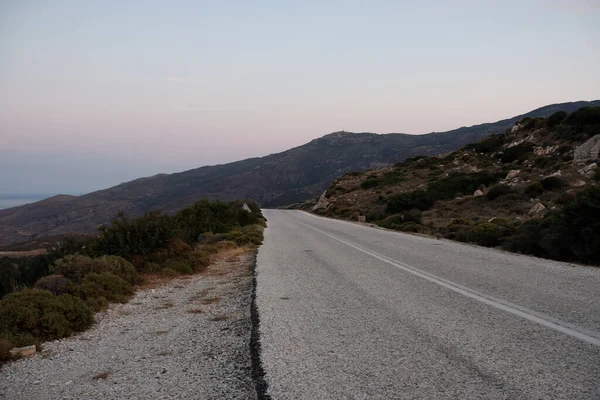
pixel 96 93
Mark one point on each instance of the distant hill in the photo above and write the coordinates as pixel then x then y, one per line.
pixel 293 175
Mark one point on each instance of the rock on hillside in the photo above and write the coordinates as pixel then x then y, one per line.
pixel 487 192
pixel 294 175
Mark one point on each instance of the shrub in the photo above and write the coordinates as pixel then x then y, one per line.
pixel 489 145
pixel 56 284
pixel 565 198
pixel 534 189
pixel 99 289
pixel 583 117
pixel 552 183
pixel 517 152
pixel 76 267
pixel 392 222
pixel 179 265
pixel 413 215
pixel 596 176
pixel 120 267
pixel 409 227
pixel 498 191
pixel 369 183
pixel 418 199
pixel 459 222
pixel 459 184
pixel 485 234
pixel 375 216
pixel 250 234
pixel 557 118
pixel 43 315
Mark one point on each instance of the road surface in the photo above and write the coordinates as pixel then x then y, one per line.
pixel 352 312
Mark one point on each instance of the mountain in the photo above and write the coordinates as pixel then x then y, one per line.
pixel 293 175
pixel 534 189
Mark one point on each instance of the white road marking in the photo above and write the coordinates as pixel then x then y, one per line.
pixel 585 335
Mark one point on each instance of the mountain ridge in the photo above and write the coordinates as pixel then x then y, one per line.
pixel 280 178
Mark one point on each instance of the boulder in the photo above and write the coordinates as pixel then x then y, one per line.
pixel 322 204
pixel 537 209
pixel 587 151
pixel 557 174
pixel 362 218
pixel 478 193
pixel 589 170
pixel 579 183
pixel 512 173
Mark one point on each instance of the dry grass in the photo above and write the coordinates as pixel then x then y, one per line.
pixel 163 353
pixel 195 311
pixel 220 317
pixel 165 305
pixel 162 332
pixel 28 253
pixel 101 376
pixel 211 300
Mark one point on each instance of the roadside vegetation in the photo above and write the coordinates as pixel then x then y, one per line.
pixel 524 191
pixel 54 295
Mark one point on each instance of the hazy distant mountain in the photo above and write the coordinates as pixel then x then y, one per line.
pixel 296 174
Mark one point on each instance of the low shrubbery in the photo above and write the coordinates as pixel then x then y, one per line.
pixel 73 282
pixel 498 191
pixel 38 315
pixel 517 152
pixel 553 183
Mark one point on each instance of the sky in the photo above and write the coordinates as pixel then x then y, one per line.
pixel 95 93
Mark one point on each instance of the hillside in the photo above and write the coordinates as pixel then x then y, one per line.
pixel 293 175
pixel 534 189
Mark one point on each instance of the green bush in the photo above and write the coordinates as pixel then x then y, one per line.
pixel 534 189
pixel 392 222
pixel 596 176
pixel 180 266
pixel 485 234
pixel 409 227
pixel 490 144
pixel 76 267
pixel 247 235
pixel 100 289
pixel 375 216
pixel 413 215
pixel 583 117
pixel 553 183
pixel 557 118
pixel 498 191
pixel 43 315
pixel 517 152
pixel 418 199
pixel 457 184
pixel 56 284
pixel 369 183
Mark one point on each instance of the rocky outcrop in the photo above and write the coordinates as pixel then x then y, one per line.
pixel 512 174
pixel 537 209
pixel 478 193
pixel 322 204
pixel 588 171
pixel 587 151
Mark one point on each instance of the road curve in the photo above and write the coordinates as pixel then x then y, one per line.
pixel 351 312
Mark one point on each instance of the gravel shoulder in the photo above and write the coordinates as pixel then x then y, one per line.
pixel 188 338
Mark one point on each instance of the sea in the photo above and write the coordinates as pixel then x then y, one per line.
pixel 8 201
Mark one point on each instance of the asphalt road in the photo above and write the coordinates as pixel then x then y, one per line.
pixel 351 312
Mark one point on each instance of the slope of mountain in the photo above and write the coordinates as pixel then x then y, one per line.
pixel 293 175
pixel 534 189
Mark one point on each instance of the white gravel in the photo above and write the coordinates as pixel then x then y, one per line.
pixel 153 347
